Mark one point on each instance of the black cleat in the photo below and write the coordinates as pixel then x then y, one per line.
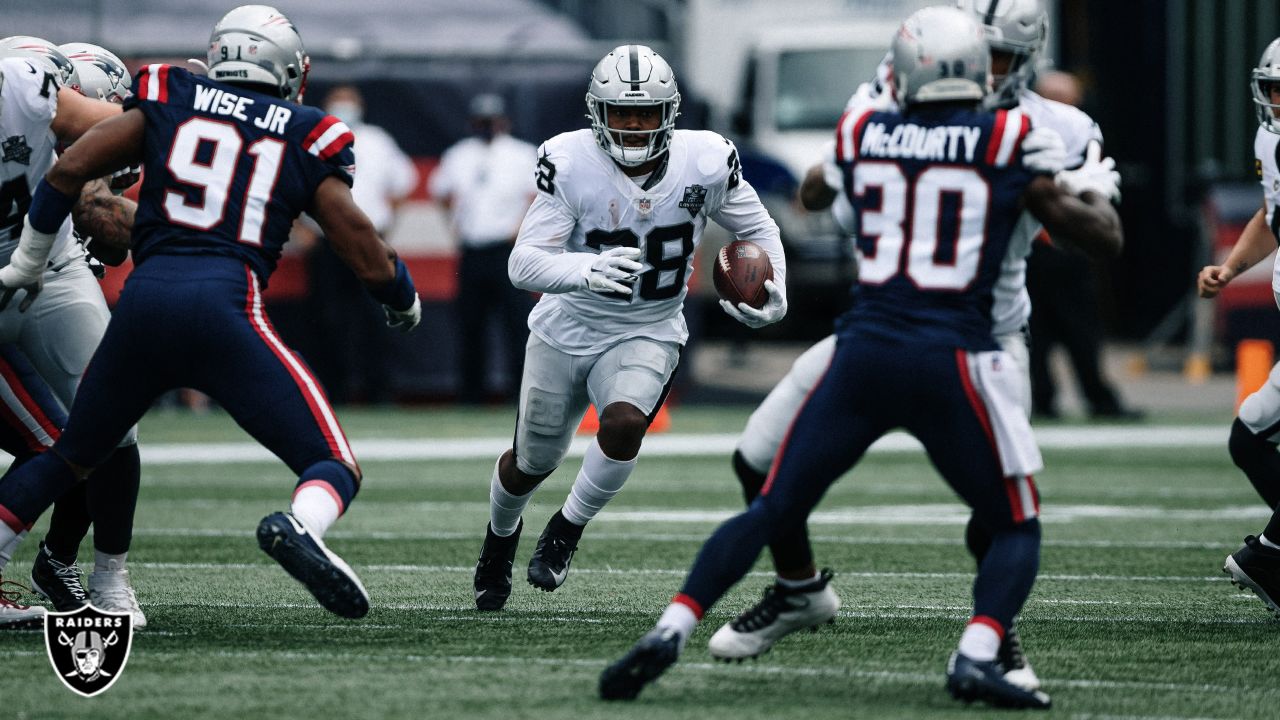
pixel 493 570
pixel 549 566
pixel 651 656
pixel 304 556
pixel 1256 567
pixel 57 582
pixel 969 680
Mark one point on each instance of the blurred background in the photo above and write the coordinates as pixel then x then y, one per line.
pixel 1167 80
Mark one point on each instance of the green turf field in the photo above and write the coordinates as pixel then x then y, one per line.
pixel 1131 618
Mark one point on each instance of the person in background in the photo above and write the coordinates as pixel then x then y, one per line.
pixel 352 362
pixel 1064 302
pixel 485 185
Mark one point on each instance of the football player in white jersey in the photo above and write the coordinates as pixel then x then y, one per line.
pixel 801 596
pixel 1256 430
pixel 609 241
pixel 60 319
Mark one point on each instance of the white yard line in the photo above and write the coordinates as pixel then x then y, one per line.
pixel 680 572
pixel 698 538
pixel 681 445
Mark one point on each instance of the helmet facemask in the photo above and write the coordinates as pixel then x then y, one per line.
pixel 633 147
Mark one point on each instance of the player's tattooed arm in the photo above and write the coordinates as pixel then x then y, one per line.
pixel 105 217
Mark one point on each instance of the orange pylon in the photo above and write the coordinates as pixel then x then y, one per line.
pixel 1254 359
pixel 591 422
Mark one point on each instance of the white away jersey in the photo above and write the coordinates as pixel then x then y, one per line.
pixel 1012 305
pixel 585 204
pixel 1266 148
pixel 27 145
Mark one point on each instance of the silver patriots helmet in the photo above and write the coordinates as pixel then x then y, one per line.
pixel 632 75
pixel 1261 80
pixel 47 53
pixel 1017 27
pixel 102 75
pixel 940 54
pixel 258 44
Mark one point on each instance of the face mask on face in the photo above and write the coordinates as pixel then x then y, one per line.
pixel 348 112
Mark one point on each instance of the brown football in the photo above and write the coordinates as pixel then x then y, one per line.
pixel 741 269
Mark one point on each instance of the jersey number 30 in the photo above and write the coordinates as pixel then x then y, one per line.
pixel 882 239
pixel 214 177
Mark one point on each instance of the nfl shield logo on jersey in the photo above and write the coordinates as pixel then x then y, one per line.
pixel 644 205
pixel 88 647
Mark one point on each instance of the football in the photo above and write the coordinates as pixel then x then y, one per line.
pixel 741 269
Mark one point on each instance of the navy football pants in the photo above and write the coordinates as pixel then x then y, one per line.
pixel 871 387
pixel 199 322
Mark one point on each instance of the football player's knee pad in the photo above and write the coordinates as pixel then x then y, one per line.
pixel 635 372
pixel 544 431
pixel 1247 448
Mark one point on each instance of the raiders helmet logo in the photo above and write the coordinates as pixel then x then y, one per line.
pixel 88 647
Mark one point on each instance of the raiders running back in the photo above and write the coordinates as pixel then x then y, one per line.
pixel 586 204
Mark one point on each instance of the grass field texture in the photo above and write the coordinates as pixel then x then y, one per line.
pixel 1131 617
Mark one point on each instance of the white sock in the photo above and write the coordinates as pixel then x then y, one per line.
pixel 600 478
pixel 788 583
pixel 979 642
pixel 1261 538
pixel 105 562
pixel 6 552
pixel 316 508
pixel 504 508
pixel 680 618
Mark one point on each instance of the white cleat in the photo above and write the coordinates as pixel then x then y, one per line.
pixel 779 613
pixel 14 614
pixel 1013 660
pixel 110 590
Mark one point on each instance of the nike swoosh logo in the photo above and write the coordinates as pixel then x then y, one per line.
pixel 480 593
pixel 296 525
pixel 560 576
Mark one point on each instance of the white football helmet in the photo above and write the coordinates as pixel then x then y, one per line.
pixel 632 75
pixel 1263 77
pixel 940 55
pixel 102 75
pixel 1017 27
pixel 258 44
pixel 44 51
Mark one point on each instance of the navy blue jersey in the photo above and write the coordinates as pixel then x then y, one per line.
pixel 226 169
pixel 936 195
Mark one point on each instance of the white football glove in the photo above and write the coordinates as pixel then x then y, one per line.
pixel 25 270
pixel 404 320
pixel 613 270
pixel 1097 174
pixel 1043 151
pixel 775 308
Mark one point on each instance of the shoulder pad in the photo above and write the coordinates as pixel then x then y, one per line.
pixel 716 157
pixel 327 137
pixel 31 87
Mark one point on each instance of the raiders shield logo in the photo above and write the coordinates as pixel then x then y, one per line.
pixel 88 647
pixel 16 149
pixel 694 197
